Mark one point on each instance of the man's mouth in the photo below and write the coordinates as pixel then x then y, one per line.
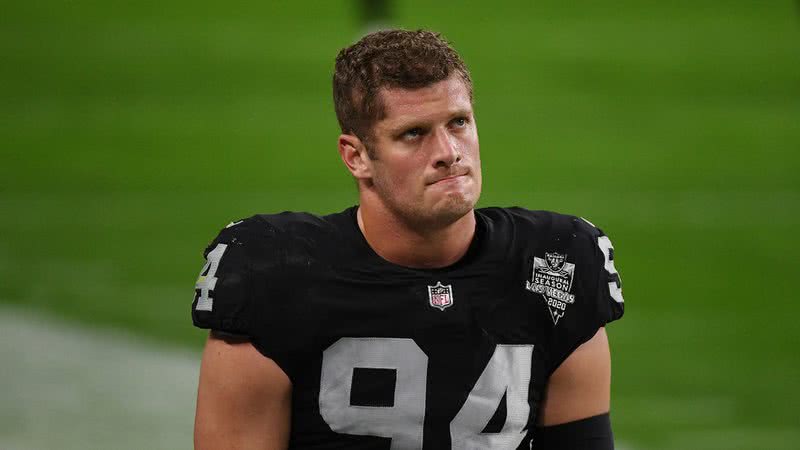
pixel 448 178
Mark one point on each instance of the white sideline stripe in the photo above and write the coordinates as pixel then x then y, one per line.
pixel 64 387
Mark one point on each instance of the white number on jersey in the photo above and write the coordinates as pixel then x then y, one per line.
pixel 402 422
pixel 207 281
pixel 615 285
pixel 507 373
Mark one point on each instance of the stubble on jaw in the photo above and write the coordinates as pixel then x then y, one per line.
pixel 444 213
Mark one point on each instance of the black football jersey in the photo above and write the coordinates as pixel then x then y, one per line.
pixel 382 356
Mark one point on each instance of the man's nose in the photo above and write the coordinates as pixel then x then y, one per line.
pixel 446 151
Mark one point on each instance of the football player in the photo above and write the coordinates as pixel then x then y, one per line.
pixel 412 320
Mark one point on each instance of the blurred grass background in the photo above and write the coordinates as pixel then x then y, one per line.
pixel 130 132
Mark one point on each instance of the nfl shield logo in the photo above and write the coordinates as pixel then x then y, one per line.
pixel 440 296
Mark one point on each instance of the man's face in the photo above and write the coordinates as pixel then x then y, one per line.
pixel 425 157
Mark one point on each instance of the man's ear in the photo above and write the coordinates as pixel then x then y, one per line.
pixel 354 155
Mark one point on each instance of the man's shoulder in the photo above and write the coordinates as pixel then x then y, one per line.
pixel 284 237
pixel 539 222
pixel 298 223
pixel 282 226
pixel 254 264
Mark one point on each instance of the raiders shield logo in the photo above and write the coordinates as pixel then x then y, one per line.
pixel 440 296
pixel 552 277
pixel 555 261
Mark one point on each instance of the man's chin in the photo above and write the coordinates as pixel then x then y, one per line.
pixel 452 208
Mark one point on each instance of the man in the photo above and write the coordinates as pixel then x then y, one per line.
pixel 412 321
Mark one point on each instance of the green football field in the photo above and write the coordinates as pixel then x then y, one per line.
pixel 130 132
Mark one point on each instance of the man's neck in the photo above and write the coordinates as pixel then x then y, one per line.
pixel 417 247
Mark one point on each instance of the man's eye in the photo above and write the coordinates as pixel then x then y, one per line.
pixel 412 133
pixel 460 121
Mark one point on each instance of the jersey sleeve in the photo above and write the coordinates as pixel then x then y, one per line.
pixel 224 297
pixel 246 288
pixel 597 290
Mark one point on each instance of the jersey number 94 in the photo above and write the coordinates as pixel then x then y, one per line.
pixel 507 373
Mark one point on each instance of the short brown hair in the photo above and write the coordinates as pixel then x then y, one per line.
pixel 390 58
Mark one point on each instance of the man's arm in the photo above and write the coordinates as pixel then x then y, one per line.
pixel 579 389
pixel 243 399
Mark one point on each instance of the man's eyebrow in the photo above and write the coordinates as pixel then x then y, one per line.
pixel 459 112
pixel 403 124
pixel 409 124
pixel 414 122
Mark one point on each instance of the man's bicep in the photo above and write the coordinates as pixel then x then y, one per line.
pixel 243 398
pixel 580 387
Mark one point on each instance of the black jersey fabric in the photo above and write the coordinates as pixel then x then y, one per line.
pixel 376 359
